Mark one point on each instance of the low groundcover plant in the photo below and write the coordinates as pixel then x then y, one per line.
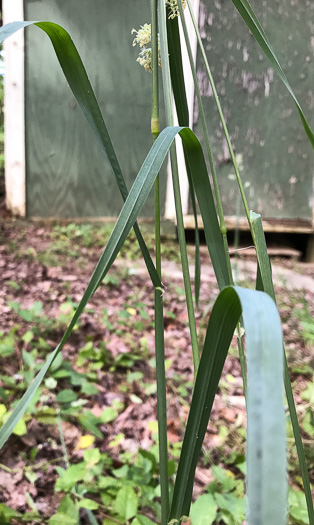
pixel 252 313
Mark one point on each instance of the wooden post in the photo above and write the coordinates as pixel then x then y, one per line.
pixel 14 125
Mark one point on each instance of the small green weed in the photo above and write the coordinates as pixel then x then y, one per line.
pixel 302 312
pixel 224 501
pixel 68 240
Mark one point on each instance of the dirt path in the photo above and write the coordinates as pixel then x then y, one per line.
pixel 292 276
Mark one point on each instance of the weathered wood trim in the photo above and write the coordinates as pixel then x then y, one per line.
pixel 14 122
pixel 269 225
pixel 170 211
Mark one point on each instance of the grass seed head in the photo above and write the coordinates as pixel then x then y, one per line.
pixel 173 7
pixel 143 39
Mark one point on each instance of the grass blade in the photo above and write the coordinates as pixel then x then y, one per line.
pixel 179 93
pixel 75 73
pixel 197 273
pixel 259 34
pixel 161 405
pixel 205 199
pixel 127 217
pixel 176 71
pixel 223 228
pixel 264 271
pixel 7 429
pixel 259 282
pixel 266 435
pixel 266 477
pixel 265 279
pixel 129 213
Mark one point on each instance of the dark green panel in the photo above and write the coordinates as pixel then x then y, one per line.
pixel 67 174
pixel 263 122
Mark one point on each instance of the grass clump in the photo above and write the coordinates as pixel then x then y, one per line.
pixel 142 489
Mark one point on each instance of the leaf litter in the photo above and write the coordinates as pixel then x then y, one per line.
pixel 109 364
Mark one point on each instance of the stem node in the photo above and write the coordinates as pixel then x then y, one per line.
pixel 155 126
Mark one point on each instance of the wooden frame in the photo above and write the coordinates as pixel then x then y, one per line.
pixel 14 120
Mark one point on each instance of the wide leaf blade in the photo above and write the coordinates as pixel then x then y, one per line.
pixel 197 167
pixel 129 213
pixel 264 279
pixel 266 477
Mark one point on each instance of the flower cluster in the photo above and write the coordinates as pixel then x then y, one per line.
pixel 143 39
pixel 143 35
pixel 173 7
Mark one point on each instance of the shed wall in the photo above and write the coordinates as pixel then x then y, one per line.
pixel 67 174
pixel 276 157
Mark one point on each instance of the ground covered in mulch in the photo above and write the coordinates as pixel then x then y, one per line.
pixel 102 395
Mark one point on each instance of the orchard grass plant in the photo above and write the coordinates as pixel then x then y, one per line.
pixel 251 314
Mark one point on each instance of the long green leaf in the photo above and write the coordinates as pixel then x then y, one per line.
pixel 223 228
pixel 75 73
pixel 264 278
pixel 132 207
pixel 176 71
pixel 167 93
pixel 266 475
pixel 207 207
pixel 259 34
pixel 127 217
pixel 179 93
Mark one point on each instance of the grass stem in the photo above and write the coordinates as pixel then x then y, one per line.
pixel 159 320
pixel 176 184
pixel 62 440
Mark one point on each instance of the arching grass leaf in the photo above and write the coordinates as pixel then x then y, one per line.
pixel 129 213
pixel 266 475
pixel 75 73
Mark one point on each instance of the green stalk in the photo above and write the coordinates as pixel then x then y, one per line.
pixel 159 318
pixel 62 440
pixel 161 406
pixel 176 185
pixel 157 227
pixel 155 99
pixel 222 119
pixel 155 126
